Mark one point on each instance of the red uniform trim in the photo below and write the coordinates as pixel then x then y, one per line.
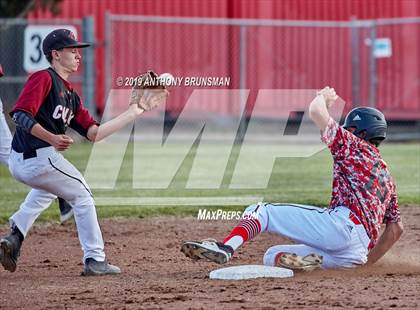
pixel 34 92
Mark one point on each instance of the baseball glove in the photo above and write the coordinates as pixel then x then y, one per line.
pixel 148 91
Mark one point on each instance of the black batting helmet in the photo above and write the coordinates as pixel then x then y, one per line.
pixel 369 124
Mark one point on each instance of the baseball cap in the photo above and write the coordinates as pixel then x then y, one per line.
pixel 61 38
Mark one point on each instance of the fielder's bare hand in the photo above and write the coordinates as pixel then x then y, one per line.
pixel 61 142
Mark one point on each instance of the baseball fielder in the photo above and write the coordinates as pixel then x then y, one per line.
pixel 66 212
pixel 346 233
pixel 47 106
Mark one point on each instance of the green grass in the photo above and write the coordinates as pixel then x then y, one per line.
pixel 299 180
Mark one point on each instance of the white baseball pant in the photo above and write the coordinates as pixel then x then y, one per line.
pixel 5 138
pixel 51 175
pixel 327 232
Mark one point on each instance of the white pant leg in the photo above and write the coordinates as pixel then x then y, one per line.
pixel 329 231
pixel 36 201
pixel 51 172
pixel 356 253
pixel 328 261
pixel 5 138
pixel 317 227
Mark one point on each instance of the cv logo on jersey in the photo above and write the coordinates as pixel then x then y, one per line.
pixel 64 113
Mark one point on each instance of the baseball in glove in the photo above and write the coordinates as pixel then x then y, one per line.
pixel 148 91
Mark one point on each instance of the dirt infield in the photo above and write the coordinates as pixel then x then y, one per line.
pixel 157 276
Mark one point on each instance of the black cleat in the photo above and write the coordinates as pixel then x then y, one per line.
pixel 66 211
pixel 10 250
pixel 208 249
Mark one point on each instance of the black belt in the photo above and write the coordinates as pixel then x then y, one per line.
pixel 29 154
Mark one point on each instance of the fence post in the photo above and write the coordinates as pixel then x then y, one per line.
pixel 88 30
pixel 355 62
pixel 242 77
pixel 372 66
pixel 108 55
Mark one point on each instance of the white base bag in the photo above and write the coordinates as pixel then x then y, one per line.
pixel 243 272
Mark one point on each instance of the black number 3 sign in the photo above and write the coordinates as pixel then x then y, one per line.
pixel 36 57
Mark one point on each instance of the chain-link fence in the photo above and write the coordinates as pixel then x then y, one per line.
pixel 21 54
pixel 369 62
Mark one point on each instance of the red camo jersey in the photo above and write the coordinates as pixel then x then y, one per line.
pixel 361 180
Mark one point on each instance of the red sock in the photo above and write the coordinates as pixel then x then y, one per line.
pixel 247 229
pixel 277 259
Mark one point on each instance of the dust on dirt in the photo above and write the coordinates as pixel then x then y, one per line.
pixel 156 275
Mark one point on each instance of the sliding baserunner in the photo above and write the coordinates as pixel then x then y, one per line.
pixel 346 234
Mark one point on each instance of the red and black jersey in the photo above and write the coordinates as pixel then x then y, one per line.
pixel 54 104
pixel 361 180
